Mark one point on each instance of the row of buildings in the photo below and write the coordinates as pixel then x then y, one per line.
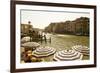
pixel 79 26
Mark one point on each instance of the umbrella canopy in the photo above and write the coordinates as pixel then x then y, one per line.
pixel 25 39
pixel 67 55
pixel 83 49
pixel 44 51
pixel 33 45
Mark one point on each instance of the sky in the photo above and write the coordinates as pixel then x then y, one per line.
pixel 41 18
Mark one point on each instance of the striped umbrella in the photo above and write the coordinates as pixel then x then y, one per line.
pixel 67 55
pixel 83 49
pixel 30 45
pixel 44 51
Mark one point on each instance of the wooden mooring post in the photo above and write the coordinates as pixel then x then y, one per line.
pixel 44 38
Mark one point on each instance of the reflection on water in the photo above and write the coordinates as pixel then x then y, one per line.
pixel 66 41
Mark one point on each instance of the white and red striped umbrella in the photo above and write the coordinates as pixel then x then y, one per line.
pixel 83 49
pixel 33 45
pixel 44 51
pixel 67 55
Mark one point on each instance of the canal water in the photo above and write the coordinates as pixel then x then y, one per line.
pixel 62 42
